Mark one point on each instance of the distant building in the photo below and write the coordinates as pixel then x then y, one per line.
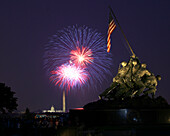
pixel 57 111
pixel 52 110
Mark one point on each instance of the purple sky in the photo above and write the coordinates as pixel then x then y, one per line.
pixel 25 27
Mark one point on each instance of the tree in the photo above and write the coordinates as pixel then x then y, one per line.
pixel 28 115
pixel 8 102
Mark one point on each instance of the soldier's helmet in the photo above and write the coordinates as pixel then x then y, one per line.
pixel 158 77
pixel 143 65
pixel 134 62
pixel 124 63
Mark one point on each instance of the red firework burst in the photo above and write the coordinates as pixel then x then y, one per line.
pixel 81 56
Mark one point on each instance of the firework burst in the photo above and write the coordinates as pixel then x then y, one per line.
pixel 69 75
pixel 78 47
pixel 81 56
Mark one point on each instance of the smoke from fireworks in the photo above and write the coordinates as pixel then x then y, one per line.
pixel 77 56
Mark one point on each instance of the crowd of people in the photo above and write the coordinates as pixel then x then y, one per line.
pixel 29 125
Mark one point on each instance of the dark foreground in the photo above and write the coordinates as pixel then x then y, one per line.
pixel 80 122
pixel 123 130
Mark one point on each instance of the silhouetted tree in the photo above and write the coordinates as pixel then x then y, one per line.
pixel 28 114
pixel 27 111
pixel 7 99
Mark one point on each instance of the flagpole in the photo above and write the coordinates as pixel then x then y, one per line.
pixel 122 31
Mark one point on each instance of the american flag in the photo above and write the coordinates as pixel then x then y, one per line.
pixel 112 26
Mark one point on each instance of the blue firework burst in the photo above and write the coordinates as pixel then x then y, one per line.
pixel 62 49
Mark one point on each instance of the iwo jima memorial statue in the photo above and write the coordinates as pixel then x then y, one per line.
pixel 130 97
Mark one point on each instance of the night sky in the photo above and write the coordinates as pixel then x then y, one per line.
pixel 25 27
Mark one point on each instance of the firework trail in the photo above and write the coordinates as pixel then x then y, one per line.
pixel 82 48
